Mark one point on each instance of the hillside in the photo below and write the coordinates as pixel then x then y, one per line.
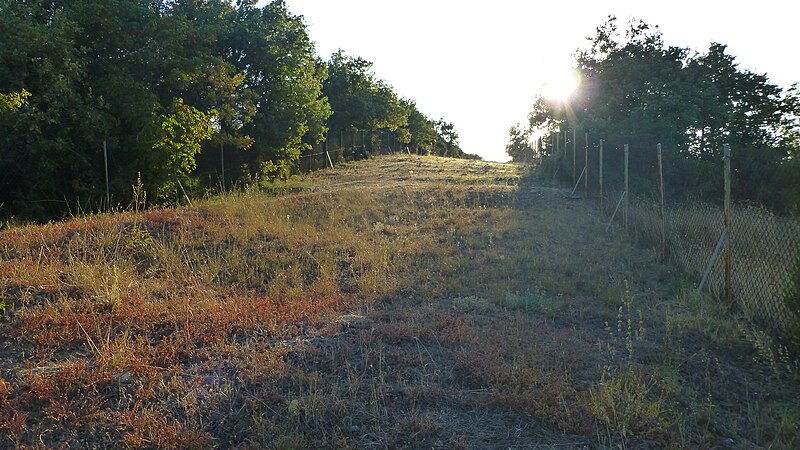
pixel 399 302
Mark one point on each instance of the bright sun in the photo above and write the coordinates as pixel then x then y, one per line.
pixel 560 87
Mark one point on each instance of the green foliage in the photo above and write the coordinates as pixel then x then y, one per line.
pixel 472 304
pixel 283 84
pixel 519 147
pixel 446 141
pixel 777 357
pixel 139 195
pixel 536 301
pixel 638 90
pixel 110 72
pixel 359 100
pixel 13 101
pixel 626 400
pixel 420 129
pixel 156 87
pixel 183 129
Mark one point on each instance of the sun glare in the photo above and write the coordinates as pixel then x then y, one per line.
pixel 560 87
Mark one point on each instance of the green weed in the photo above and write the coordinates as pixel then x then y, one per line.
pixel 629 403
pixel 777 357
pixel 535 301
pixel 472 304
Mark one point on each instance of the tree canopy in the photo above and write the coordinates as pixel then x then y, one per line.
pixel 519 147
pixel 361 101
pixel 162 86
pixel 637 89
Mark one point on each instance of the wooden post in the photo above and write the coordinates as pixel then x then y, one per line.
pixel 572 195
pixel 621 198
pixel 574 154
pixel 542 143
pixel 711 262
pixel 728 225
pixel 325 147
pixel 541 152
pixel 558 143
pixel 586 167
pixel 555 157
pixel 105 159
pixel 184 191
pixel 601 169
pixel 627 193
pixel 222 162
pixel 661 190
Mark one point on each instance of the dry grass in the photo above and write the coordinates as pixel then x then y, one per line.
pixel 766 249
pixel 401 302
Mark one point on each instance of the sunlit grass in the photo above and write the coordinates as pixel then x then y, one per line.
pixel 397 302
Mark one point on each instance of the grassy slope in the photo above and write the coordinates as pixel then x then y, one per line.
pixel 398 302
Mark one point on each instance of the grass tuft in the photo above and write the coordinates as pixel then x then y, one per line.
pixel 400 302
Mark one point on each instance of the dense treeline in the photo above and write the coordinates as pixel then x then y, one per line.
pixel 167 89
pixel 360 101
pixel 635 89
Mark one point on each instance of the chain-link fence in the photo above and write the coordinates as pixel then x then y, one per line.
pixel 758 249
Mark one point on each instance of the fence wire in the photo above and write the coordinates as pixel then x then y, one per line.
pixel 350 146
pixel 765 247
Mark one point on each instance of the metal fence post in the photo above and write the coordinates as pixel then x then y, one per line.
pixel 728 228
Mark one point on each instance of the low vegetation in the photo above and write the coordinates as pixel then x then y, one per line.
pixel 399 302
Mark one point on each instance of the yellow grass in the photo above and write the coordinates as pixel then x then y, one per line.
pixel 400 302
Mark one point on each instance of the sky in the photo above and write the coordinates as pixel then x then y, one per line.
pixel 479 65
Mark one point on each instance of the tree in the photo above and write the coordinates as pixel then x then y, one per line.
pixel 153 81
pixel 519 147
pixel 358 99
pixel 420 129
pixel 636 89
pixel 156 84
pixel 283 80
pixel 39 162
pixel 13 101
pixel 446 143
pixel 182 131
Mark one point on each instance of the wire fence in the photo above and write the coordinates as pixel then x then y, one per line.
pixel 350 146
pixel 741 252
